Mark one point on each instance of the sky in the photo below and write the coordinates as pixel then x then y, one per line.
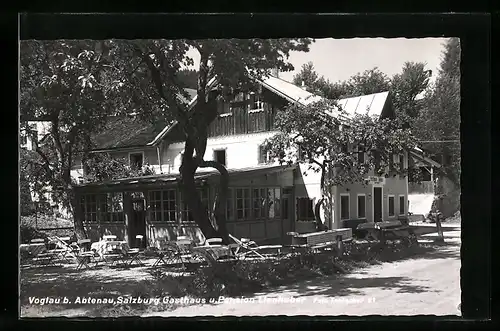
pixel 339 59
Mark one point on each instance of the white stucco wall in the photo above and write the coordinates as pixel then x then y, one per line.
pixel 242 151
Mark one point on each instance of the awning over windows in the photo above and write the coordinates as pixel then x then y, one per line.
pixel 173 179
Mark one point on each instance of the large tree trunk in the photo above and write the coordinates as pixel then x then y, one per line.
pixel 317 208
pixel 221 199
pixel 76 213
pixel 190 192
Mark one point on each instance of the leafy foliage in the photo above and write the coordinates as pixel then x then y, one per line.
pixel 331 143
pixel 64 83
pixel 440 120
pixel 405 86
pixel 103 167
pixel 368 82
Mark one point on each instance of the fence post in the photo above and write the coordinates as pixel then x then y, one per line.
pixel 439 228
pixel 340 245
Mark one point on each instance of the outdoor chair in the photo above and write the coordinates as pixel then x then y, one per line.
pixel 182 252
pixel 246 248
pixel 165 249
pixel 135 253
pixel 62 248
pixel 84 255
pixel 213 250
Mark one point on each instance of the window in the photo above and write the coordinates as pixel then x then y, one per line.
pixel 162 206
pixel 275 203
pixel 256 101
pixel 116 207
pixel 155 209
pixel 220 156
pixel 230 205
pixel 263 155
pixel 344 206
pixel 169 201
pixel 401 165
pixel 136 160
pixel 361 206
pixel 88 206
pixel 243 206
pixel 401 205
pixel 305 209
pixel 260 202
pixel 361 154
pixel 391 205
pixel 110 207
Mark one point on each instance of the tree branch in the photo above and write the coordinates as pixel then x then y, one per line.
pixel 158 83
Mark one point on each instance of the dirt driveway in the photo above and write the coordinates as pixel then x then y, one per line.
pixel 428 284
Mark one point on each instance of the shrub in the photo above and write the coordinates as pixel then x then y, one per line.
pixel 249 276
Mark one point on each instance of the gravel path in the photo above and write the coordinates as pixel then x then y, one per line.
pixel 428 285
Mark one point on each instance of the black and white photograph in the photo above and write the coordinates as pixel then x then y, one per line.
pixel 239 177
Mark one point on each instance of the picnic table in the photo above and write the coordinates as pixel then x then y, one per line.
pixel 388 230
pixel 320 240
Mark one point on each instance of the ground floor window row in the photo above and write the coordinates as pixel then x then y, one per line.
pixel 243 203
pixel 361 206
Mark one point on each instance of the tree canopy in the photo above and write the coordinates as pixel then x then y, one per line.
pixel 439 123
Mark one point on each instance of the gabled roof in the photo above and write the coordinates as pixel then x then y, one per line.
pixel 289 91
pixel 370 104
pixel 129 131
pixel 419 155
pixel 126 131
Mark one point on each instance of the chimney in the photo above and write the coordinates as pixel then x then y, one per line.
pixel 275 72
pixel 303 85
